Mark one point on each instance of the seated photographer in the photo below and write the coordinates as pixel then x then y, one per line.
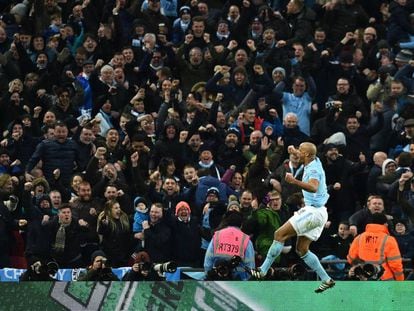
pixel 230 253
pixel 40 270
pixel 365 272
pixel 144 270
pixel 98 270
pixel 376 246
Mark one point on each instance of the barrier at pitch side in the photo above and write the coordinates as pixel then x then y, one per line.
pixel 212 296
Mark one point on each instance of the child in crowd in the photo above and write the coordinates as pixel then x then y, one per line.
pixel 141 214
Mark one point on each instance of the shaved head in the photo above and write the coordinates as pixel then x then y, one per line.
pixel 308 148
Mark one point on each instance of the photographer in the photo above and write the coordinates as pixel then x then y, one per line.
pixel 40 270
pixel 365 272
pixel 230 251
pixel 144 270
pixel 98 270
pixel 376 246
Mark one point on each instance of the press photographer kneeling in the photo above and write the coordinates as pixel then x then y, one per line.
pixel 230 254
pixel 99 270
pixel 144 270
pixel 374 254
pixel 40 270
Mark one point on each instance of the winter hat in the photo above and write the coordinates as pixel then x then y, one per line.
pixel 233 203
pixel 185 10
pixel 213 190
pixel 256 20
pixel 279 69
pixel 234 131
pixel 138 200
pixel 96 254
pixel 41 181
pixel 205 147
pixel 400 221
pixel 385 163
pixel 328 147
pixel 180 205
pixel 404 56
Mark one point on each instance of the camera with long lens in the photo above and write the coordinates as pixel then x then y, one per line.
pixel 294 272
pixel 223 269
pixel 369 271
pixel 40 271
pixel 161 268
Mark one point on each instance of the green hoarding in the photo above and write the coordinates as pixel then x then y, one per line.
pixel 210 296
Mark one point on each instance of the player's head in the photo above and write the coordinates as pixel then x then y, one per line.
pixel 307 151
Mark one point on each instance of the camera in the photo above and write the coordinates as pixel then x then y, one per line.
pixel 169 267
pixel 294 272
pixel 12 203
pixel 145 266
pixel 224 269
pixel 369 271
pixel 330 104
pixel 40 271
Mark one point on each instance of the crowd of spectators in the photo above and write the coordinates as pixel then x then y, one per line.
pixel 132 125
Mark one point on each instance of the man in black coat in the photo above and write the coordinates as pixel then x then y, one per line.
pixel 339 172
pixel 157 235
pixel 64 234
pixel 186 236
pixel 60 153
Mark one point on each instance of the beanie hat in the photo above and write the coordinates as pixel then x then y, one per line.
pixel 400 221
pixel 139 199
pixel 182 204
pixel 96 254
pixel 185 10
pixel 234 131
pixel 279 69
pixel 41 181
pixel 328 147
pixel 233 203
pixel 205 147
pixel 404 56
pixel 213 190
pixel 385 163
